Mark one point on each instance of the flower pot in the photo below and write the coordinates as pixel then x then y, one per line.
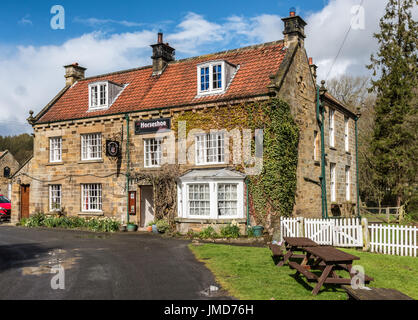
pixel 122 228
pixel 149 228
pixel 258 231
pixel 154 228
pixel 132 227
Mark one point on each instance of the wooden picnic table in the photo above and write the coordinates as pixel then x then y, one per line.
pixel 294 244
pixel 327 259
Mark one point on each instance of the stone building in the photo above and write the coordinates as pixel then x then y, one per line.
pixel 78 134
pixel 8 166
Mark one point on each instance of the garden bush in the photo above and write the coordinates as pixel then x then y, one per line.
pixel 162 225
pixel 230 231
pixel 208 232
pixel 99 224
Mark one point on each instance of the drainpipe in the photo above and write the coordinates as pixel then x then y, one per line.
pixel 357 171
pixel 127 167
pixel 320 112
pixel 248 205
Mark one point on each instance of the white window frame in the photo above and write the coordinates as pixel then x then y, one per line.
pixel 332 181
pixel 86 149
pixel 188 186
pixel 347 183
pixel 55 149
pixel 88 188
pixel 332 128
pixel 211 89
pixel 147 154
pixel 99 105
pixel 346 134
pixel 183 199
pixel 55 193
pixel 201 154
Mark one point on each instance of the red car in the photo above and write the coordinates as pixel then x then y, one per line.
pixel 5 208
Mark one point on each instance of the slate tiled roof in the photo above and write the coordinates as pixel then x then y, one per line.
pixel 176 86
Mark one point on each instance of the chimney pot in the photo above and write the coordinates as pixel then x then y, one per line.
pixel 310 61
pixel 73 73
pixel 162 54
pixel 292 12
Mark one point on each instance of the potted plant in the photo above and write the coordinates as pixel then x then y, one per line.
pixel 132 227
pixel 149 226
pixel 162 225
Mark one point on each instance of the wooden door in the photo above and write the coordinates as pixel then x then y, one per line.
pixel 132 203
pixel 24 201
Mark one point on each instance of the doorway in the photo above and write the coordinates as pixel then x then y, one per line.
pixel 24 201
pixel 147 205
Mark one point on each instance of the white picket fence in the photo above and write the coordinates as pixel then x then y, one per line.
pixel 348 232
pixel 392 239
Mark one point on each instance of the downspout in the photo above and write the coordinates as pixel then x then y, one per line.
pixel 127 167
pixel 357 171
pixel 248 205
pixel 320 111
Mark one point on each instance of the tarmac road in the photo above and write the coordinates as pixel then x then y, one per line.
pixel 98 266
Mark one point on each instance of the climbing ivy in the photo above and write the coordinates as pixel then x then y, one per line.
pixel 272 193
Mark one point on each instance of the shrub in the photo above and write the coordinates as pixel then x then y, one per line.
pixel 100 224
pixel 250 232
pixel 230 231
pixel 208 232
pixel 162 225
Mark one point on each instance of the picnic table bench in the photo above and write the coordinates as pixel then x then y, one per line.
pixel 375 294
pixel 327 259
pixel 292 245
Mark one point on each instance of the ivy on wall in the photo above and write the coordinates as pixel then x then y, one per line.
pixel 272 193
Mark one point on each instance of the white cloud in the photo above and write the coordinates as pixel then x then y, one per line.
pixel 31 75
pixel 94 22
pixel 25 21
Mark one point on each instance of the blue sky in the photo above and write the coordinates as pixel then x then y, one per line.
pixel 106 36
pixel 27 22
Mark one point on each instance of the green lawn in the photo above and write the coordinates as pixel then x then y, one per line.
pixel 249 273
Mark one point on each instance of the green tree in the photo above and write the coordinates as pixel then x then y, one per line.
pixel 394 140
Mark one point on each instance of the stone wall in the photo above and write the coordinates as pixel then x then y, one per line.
pixel 299 90
pixel 7 160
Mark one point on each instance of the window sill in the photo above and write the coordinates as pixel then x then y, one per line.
pixel 55 163
pixel 91 213
pixel 90 161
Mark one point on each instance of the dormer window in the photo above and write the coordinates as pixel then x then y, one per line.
pixel 213 77
pixel 103 94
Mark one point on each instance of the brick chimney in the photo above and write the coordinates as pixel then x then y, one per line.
pixel 313 68
pixel 162 54
pixel 294 28
pixel 73 73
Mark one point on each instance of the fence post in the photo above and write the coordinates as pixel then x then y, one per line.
pixel 366 238
pixel 301 227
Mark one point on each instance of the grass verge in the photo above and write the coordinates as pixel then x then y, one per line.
pixel 249 273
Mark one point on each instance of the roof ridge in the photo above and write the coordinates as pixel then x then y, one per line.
pixel 254 46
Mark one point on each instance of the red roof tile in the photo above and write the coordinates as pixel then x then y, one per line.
pixel 176 86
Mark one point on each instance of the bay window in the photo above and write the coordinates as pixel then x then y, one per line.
pixel 211 194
